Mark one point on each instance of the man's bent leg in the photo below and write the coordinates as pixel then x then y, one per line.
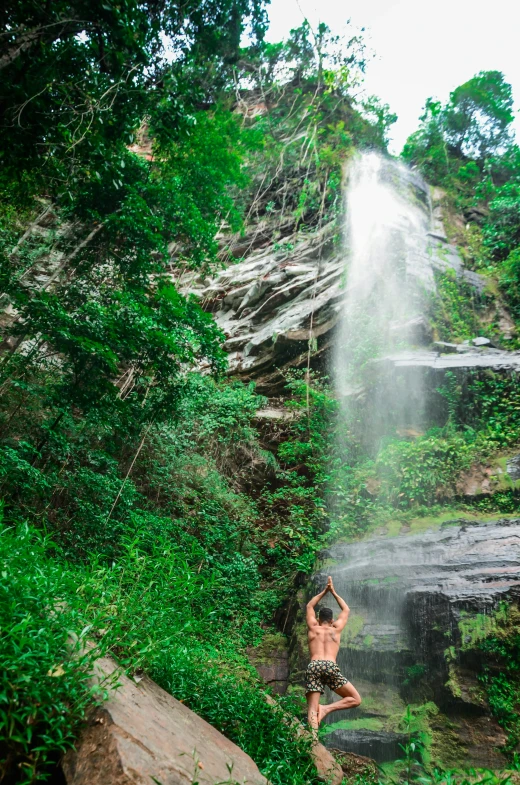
pixel 350 698
pixel 313 702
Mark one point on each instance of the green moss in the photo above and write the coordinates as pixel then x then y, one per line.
pixel 502 683
pixel 366 723
pixel 271 645
pixel 474 629
pixel 355 624
pixel 368 641
pixel 446 747
pixel 453 683
pixel 405 524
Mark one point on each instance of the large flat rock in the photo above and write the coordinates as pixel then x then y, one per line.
pixel 465 358
pixel 144 735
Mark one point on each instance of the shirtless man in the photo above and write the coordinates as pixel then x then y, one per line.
pixel 324 637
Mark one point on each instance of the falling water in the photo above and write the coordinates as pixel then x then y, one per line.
pixel 388 276
pixel 407 593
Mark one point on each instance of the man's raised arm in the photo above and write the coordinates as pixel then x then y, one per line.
pixel 311 615
pixel 345 610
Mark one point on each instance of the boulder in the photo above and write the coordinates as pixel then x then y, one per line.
pixel 381 746
pixel 144 735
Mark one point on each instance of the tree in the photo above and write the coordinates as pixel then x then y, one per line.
pixel 79 76
pixel 466 136
pixel 478 116
pixel 426 148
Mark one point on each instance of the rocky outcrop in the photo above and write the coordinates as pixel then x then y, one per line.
pixel 420 603
pixel 464 358
pixel 143 735
pixel 271 303
pixel 380 746
pixel 280 303
pixel 271 660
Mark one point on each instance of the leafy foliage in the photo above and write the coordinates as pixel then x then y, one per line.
pixel 45 677
pixel 474 125
pixel 154 608
pixel 478 416
pixel 78 79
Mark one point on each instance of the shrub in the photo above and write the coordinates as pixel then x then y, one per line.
pixel 44 689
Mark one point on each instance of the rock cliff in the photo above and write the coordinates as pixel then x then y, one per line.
pixel 279 303
pixel 420 603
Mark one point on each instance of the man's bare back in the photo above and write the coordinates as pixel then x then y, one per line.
pixel 324 640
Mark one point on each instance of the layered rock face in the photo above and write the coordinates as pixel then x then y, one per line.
pixel 279 304
pixel 419 603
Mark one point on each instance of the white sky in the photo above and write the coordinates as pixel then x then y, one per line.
pixel 422 48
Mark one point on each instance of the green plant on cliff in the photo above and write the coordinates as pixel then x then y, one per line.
pixel 407 477
pixel 299 96
pixel 466 147
pixel 455 309
pixel 501 674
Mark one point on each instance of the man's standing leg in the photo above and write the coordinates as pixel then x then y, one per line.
pixel 313 702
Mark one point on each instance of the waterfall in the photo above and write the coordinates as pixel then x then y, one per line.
pixel 388 277
pixel 387 280
pixel 408 591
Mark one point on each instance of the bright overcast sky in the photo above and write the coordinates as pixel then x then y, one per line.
pixel 422 48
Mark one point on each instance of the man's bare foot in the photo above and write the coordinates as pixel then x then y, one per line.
pixel 322 713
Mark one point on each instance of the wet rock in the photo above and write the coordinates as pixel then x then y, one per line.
pixel 513 467
pixel 416 331
pixel 381 746
pixel 446 348
pixel 143 734
pixel 411 597
pixel 481 341
pixel 466 358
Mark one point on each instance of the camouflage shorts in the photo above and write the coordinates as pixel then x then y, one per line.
pixel 321 673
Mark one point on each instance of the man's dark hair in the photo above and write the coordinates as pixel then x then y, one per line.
pixel 325 614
